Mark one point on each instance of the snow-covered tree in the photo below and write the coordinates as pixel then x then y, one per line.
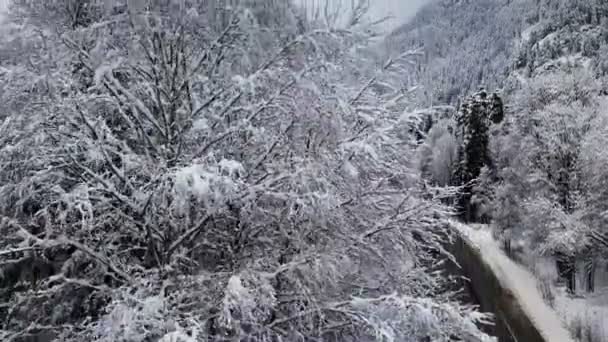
pixel 542 189
pixel 474 119
pixel 188 171
pixel 438 152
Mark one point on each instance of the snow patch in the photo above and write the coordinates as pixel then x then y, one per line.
pixel 231 167
pixel 527 33
pixel 194 179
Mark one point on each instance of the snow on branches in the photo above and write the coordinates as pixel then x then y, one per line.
pixel 206 175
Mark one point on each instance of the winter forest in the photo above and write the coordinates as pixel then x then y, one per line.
pixel 278 170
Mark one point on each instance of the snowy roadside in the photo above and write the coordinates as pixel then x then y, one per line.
pixel 585 314
pixel 587 317
pixel 522 283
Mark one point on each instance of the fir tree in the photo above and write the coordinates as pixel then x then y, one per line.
pixel 474 118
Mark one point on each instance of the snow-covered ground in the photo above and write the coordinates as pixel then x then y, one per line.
pixel 523 284
pixel 585 314
pixel 587 317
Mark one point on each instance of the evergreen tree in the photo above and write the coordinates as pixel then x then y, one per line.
pixel 474 118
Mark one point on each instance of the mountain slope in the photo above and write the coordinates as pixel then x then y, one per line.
pixel 468 44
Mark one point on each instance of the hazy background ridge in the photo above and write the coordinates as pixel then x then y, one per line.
pixel 399 10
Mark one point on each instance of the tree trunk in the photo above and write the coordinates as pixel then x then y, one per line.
pixel 590 273
pixel 507 245
pixel 566 269
pixel 572 279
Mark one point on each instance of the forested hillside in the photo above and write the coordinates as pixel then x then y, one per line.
pixel 466 44
pixel 543 180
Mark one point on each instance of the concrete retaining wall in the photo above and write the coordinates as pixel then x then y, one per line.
pixel 511 322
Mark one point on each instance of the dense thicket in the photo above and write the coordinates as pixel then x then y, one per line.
pixel 192 171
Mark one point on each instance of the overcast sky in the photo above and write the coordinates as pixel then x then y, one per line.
pixel 400 10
